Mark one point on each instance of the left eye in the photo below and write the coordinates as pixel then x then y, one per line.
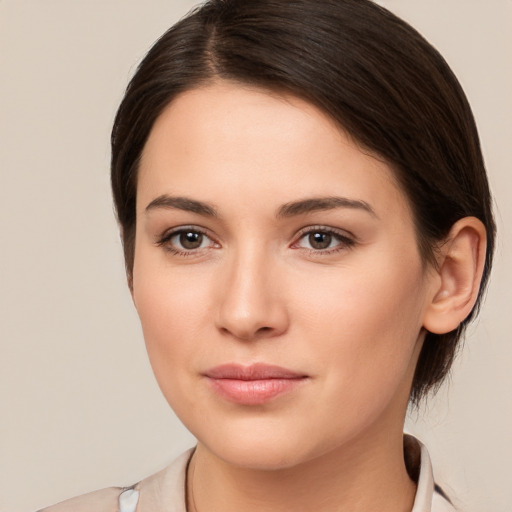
pixel 322 240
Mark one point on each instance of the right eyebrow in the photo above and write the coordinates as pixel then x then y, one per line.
pixel 182 203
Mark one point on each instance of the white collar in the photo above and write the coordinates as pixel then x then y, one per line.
pixel 427 499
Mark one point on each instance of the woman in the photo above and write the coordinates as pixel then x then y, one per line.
pixel 307 231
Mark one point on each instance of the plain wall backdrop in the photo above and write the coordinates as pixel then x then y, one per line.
pixel 79 407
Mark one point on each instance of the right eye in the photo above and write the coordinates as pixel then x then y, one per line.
pixel 185 241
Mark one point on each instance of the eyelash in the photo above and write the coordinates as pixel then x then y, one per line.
pixel 344 242
pixel 164 240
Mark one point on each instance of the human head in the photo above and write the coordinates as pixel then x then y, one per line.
pixel 369 71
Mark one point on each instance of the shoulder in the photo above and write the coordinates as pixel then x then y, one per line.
pixel 161 492
pixel 104 500
pixel 165 491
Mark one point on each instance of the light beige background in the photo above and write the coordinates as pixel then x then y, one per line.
pixel 79 408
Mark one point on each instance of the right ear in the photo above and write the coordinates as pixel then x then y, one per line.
pixel 461 264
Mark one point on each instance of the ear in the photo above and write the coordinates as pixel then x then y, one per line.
pixel 457 277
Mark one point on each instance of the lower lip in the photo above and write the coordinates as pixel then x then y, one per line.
pixel 253 392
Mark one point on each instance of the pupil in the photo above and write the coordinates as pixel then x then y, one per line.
pixel 320 240
pixel 191 240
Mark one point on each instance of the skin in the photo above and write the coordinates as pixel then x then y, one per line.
pixel 349 317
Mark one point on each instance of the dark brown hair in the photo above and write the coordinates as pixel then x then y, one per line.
pixel 377 77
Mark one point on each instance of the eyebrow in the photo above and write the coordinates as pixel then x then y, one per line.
pixel 323 203
pixel 182 203
pixel 286 210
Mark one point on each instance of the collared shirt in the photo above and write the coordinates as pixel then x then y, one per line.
pixel 165 491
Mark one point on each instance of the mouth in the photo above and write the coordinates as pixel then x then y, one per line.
pixel 253 385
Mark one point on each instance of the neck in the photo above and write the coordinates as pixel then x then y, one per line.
pixel 370 474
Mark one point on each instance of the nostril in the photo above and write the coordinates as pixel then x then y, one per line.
pixel 252 319
pixel 263 332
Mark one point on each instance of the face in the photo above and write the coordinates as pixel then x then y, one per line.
pixel 277 278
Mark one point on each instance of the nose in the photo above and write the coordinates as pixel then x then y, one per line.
pixel 251 300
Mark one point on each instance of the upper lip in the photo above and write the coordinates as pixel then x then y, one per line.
pixel 258 371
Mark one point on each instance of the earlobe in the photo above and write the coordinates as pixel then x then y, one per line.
pixel 459 273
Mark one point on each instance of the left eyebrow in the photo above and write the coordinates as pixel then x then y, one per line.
pixel 323 203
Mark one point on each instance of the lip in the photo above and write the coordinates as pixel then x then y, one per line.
pixel 253 385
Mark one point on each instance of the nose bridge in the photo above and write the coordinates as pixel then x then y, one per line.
pixel 250 303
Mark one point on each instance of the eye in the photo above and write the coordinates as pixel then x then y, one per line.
pixel 325 240
pixel 188 240
pixel 185 240
pixel 320 240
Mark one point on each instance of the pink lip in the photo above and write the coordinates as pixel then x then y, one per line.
pixel 252 385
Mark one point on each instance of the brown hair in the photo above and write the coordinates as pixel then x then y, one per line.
pixel 376 76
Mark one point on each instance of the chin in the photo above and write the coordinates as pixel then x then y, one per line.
pixel 263 446
pixel 259 455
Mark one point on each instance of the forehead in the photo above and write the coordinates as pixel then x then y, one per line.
pixel 226 141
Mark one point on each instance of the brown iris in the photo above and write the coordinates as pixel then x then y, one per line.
pixel 191 240
pixel 320 240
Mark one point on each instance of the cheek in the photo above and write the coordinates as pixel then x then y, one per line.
pixel 365 326
pixel 377 293
pixel 173 308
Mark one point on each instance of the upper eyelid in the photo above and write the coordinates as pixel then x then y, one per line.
pixel 166 235
pixel 185 227
pixel 346 240
pixel 326 229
